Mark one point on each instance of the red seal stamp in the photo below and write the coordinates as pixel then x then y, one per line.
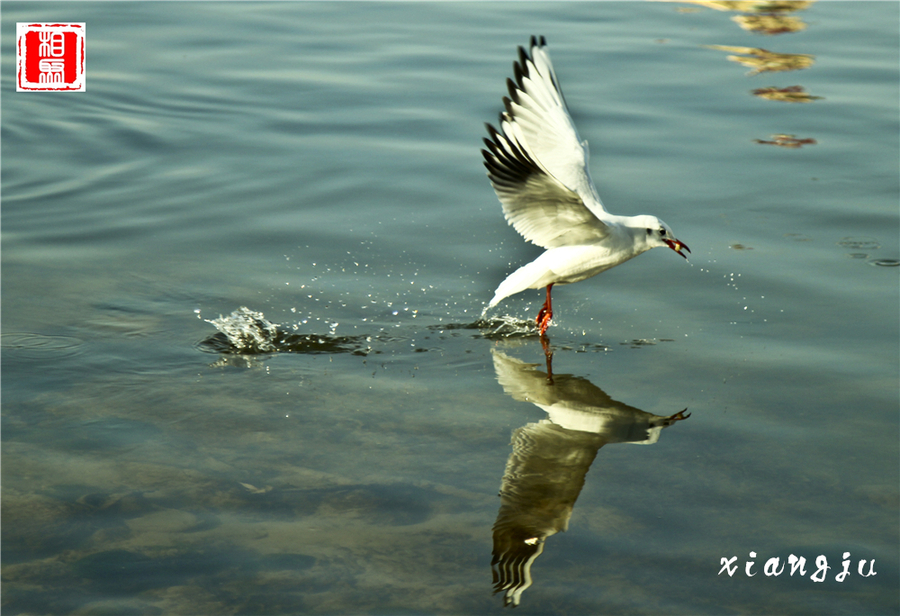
pixel 50 57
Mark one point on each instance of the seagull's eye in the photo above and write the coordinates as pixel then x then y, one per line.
pixel 662 232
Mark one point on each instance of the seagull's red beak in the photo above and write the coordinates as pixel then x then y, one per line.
pixel 677 247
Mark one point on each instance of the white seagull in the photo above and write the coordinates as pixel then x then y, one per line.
pixel 538 167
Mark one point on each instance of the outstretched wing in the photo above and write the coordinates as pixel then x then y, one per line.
pixel 536 162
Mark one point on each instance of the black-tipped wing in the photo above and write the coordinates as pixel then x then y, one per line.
pixel 536 162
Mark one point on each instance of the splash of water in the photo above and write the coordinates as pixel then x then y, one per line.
pixel 247 330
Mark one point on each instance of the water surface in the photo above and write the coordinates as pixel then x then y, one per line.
pixel 319 165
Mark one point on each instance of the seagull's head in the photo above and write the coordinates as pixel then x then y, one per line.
pixel 656 233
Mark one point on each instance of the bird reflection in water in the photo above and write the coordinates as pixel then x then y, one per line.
pixel 550 458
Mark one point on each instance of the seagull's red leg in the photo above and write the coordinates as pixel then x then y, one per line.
pixel 548 355
pixel 546 312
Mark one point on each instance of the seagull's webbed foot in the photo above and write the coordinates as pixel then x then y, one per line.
pixel 543 319
pixel 546 313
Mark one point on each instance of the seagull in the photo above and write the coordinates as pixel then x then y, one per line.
pixel 538 167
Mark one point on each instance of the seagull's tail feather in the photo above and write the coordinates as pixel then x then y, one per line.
pixel 526 277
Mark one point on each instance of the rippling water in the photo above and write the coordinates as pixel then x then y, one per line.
pixel 245 367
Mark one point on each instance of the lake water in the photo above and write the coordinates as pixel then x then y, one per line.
pixel 318 164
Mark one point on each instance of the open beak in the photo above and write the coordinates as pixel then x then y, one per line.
pixel 677 247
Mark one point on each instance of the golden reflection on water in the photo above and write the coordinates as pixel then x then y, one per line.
pixel 765 17
pixel 786 141
pixel 763 61
pixel 759 16
pixel 769 24
pixel 768 17
pixel 753 6
pixel 790 94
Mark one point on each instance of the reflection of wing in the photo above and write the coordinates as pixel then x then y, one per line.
pixel 543 478
pixel 536 162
